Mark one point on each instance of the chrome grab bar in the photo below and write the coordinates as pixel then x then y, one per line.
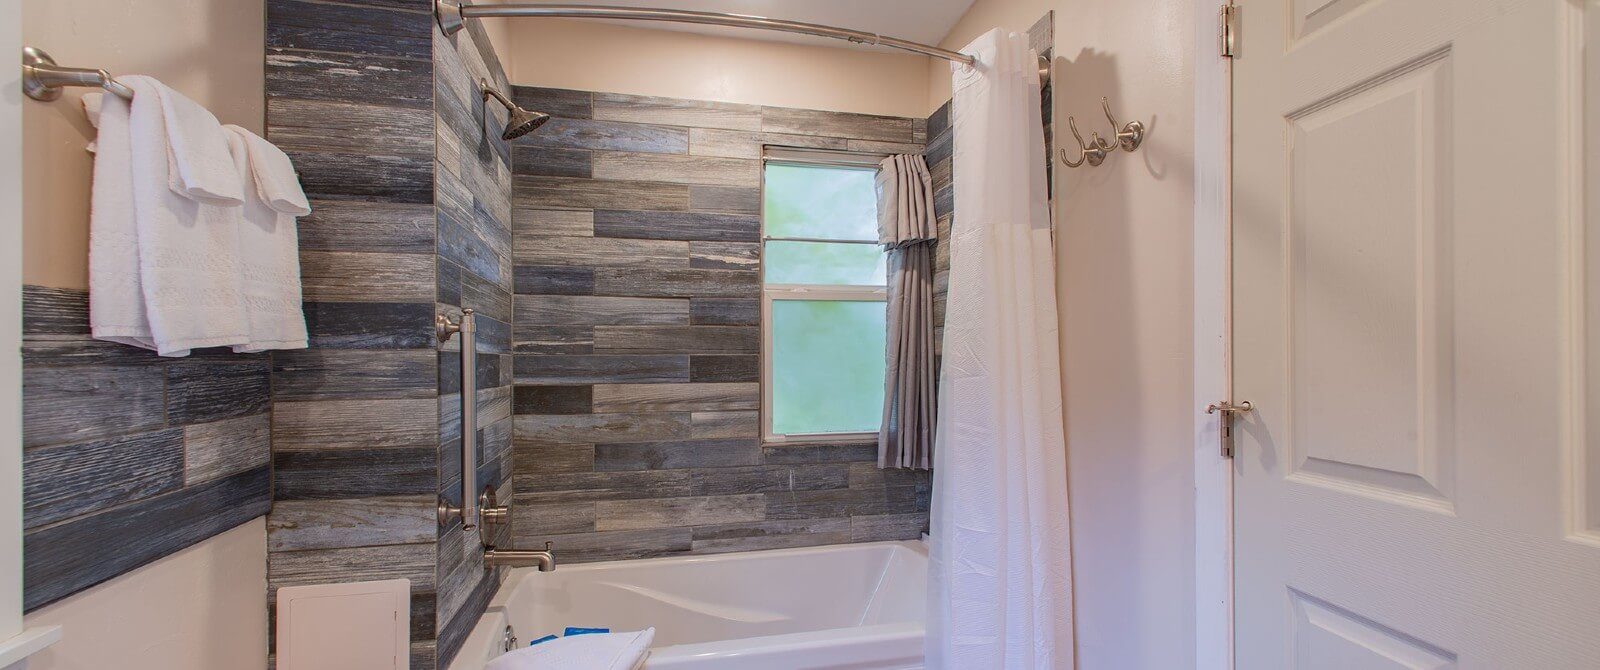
pixel 468 328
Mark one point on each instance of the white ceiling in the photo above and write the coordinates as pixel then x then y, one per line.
pixel 926 21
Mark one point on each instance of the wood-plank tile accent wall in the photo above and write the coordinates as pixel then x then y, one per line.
pixel 473 192
pixel 129 457
pixel 356 420
pixel 637 336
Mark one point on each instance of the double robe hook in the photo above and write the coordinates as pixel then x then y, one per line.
pixel 1094 153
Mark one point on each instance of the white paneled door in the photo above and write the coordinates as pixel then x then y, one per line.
pixel 1418 486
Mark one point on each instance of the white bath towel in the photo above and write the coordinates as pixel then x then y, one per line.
pixel 116 300
pixel 269 252
pixel 188 250
pixel 273 176
pixel 198 162
pixel 595 651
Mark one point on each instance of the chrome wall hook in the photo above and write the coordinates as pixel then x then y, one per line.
pixel 1128 138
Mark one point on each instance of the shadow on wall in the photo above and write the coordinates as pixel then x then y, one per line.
pixel 1112 438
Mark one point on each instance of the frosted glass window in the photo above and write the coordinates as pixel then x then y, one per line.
pixel 824 277
pixel 827 366
pixel 820 202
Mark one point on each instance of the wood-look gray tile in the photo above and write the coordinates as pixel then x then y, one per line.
pixel 554 280
pixel 604 428
pixel 871 146
pixel 330 374
pixel 712 425
pixel 779 534
pixel 676 169
pixel 677 339
pixel 602 252
pixel 584 310
pixel 725 311
pixel 836 124
pixel 539 192
pixel 706 198
pixel 676 455
pixel 542 458
pixel 353 225
pixel 676 112
pixel 328 175
pixel 560 102
pixel 326 125
pixel 371 31
pixel 881 527
pixel 57 311
pixel 198 392
pixel 674 512
pixel 330 75
pixel 68 480
pixel 537 160
pixel 370 325
pixel 591 369
pixel 553 518
pixel 719 368
pixel 354 473
pixel 222 448
pixel 555 341
pixel 296 525
pixel 682 283
pixel 744 144
pixel 65 558
pixel 678 226
pixel 553 222
pixel 770 479
pixel 354 424
pixel 342 276
pixel 326 566
pixel 625 398
pixel 80 403
pixel 724 256
pixel 553 400
pixel 606 135
pixel 573 487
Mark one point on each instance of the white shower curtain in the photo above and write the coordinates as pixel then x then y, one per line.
pixel 1000 580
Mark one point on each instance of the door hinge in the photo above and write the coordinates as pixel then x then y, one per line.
pixel 1228 30
pixel 1225 422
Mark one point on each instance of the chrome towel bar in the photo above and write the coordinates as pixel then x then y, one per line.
pixel 42 79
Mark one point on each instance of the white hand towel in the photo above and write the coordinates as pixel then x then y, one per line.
pixel 273 176
pixel 198 162
pixel 269 251
pixel 116 299
pixel 595 651
pixel 188 250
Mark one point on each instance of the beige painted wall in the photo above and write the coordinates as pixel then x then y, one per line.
pixel 211 50
pixel 596 56
pixel 203 608
pixel 1124 248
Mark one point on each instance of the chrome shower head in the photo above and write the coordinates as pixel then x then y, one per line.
pixel 522 121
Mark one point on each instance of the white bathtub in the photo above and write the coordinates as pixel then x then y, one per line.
pixel 851 606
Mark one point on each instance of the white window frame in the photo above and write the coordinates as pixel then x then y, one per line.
pixel 774 292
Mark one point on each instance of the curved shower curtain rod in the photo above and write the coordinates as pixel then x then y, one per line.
pixel 451 15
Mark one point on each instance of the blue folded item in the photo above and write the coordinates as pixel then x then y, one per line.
pixel 571 630
pixel 546 638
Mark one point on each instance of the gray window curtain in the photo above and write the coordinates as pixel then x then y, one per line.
pixel 907 229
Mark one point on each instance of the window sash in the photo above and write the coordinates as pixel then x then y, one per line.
pixel 775 292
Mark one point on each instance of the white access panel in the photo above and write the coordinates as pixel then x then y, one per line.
pixel 354 626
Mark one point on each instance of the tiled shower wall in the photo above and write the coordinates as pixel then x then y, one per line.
pixel 637 337
pixel 473 195
pixel 381 114
pixel 129 457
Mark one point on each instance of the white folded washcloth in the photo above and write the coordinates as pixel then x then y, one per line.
pixel 593 651
pixel 269 251
pixel 273 175
pixel 188 250
pixel 116 299
pixel 198 163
